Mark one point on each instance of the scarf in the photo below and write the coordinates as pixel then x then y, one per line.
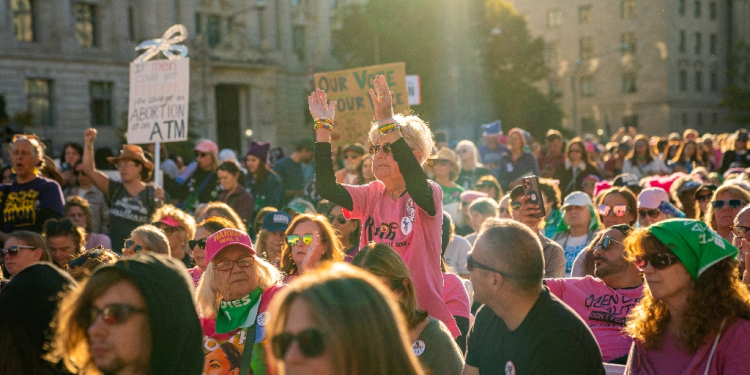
pixel 232 314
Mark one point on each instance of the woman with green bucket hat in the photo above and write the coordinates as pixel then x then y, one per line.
pixel 695 315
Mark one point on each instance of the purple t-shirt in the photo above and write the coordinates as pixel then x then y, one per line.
pixel 602 308
pixel 27 206
pixel 412 233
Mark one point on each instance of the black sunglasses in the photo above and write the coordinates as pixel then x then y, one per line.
pixel 386 147
pixel 338 218
pixel 201 243
pixel 661 260
pixel 605 242
pixel 739 230
pixel 201 154
pixel 13 250
pixel 704 197
pixel 310 343
pixel 732 203
pixel 652 213
pixel 129 243
pixel 54 225
pixel 115 313
pixel 471 264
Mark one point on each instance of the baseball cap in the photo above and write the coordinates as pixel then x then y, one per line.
pixel 276 221
pixel 577 198
pixel 652 197
pixel 207 146
pixel 688 185
pixel 356 148
pixel 227 237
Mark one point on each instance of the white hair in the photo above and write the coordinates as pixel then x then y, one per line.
pixel 416 133
pixel 474 152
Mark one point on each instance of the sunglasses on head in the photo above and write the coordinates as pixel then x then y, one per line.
pixel 200 243
pixel 732 203
pixel 228 264
pixel 661 260
pixel 739 231
pixel 386 147
pixel 54 225
pixel 605 242
pixel 294 239
pixel 89 254
pixel 618 210
pixel 652 213
pixel 13 250
pixel 310 342
pixel 129 243
pixel 112 314
pixel 337 219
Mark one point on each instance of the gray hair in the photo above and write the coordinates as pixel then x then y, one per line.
pixel 416 133
pixel 471 146
pixel 522 257
pixel 485 206
pixel 153 238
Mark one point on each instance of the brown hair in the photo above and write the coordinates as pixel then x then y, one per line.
pixel 335 251
pixel 76 201
pixel 33 239
pixel 625 193
pixel 224 211
pixel 649 152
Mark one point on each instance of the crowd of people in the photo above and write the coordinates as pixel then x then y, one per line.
pixel 413 255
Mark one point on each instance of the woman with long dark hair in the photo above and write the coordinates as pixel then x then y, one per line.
pixel 641 160
pixel 577 166
pixel 263 183
pixel 687 158
pixel 232 179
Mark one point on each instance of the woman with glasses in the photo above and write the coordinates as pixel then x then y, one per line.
pixel 446 169
pixel 348 231
pixel 617 205
pixel 22 248
pixel 200 183
pixel 272 236
pixel 471 167
pixel 204 230
pixel 233 298
pixel 694 317
pixel 726 203
pixel 232 179
pixel 654 206
pixel 431 340
pixel 402 208
pixel 309 240
pixel 146 238
pixel 179 227
pixel 132 201
pixel 641 160
pixel 577 165
pixel 339 320
pixel 703 199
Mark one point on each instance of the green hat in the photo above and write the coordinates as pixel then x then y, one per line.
pixel 696 245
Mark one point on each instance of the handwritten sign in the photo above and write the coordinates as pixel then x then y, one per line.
pixel 350 88
pixel 159 96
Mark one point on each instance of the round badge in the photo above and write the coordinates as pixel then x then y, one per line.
pixel 406 226
pixel 510 368
pixel 418 347
pixel 263 318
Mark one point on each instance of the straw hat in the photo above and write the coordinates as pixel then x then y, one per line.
pixel 447 154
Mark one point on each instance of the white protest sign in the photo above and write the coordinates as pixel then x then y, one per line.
pixel 159 96
pixel 414 90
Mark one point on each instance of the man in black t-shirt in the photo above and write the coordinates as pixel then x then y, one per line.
pixel 522 329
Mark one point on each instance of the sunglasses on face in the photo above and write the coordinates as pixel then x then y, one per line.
pixel 739 231
pixel 294 239
pixel 652 213
pixel 201 154
pixel 337 219
pixel 310 342
pixel 386 147
pixel 659 261
pixel 471 264
pixel 703 198
pixel 89 254
pixel 228 264
pixel 200 243
pixel 618 210
pixel 606 242
pixel 732 203
pixel 13 250
pixel 115 313
pixel 169 230
pixel 130 243
pixel 351 156
pixel 515 205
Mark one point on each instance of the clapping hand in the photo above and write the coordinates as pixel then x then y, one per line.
pixel 319 106
pixel 314 254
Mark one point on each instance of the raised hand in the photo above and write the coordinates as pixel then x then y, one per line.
pixel 382 98
pixel 319 106
pixel 89 135
pixel 314 254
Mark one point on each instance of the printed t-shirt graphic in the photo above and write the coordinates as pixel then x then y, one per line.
pixel 27 206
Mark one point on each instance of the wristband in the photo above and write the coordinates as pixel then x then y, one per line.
pixel 387 127
pixel 323 123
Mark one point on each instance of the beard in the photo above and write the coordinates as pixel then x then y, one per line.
pixel 609 268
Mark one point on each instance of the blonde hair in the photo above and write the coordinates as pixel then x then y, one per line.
pixel 187 223
pixel 416 133
pixel 735 191
pixel 153 237
pixel 208 297
pixel 473 148
pixel 328 234
pixel 224 211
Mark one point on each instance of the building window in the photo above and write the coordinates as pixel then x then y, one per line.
pixel 39 100
pixel 697 9
pixel 131 25
pixel 100 94
pixel 698 43
pixel 683 41
pixel 628 9
pixel 586 48
pixel 699 119
pixel 554 18
pixel 585 15
pixel 712 43
pixel 556 87
pixel 213 30
pixel 588 86
pixel 681 7
pixel 23 20
pixel 699 81
pixel 629 121
pixel 714 81
pixel 554 51
pixel 85 16
pixel 628 83
pixel 298 41
pixel 683 80
pixel 629 43
pixel 712 10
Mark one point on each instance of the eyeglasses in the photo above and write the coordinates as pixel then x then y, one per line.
pixel 739 231
pixel 605 242
pixel 618 210
pixel 201 154
pixel 14 250
pixel 169 230
pixel 652 213
pixel 516 205
pixel 732 203
pixel 338 218
pixel 121 164
pixel 703 198
pixel 310 343
pixel 471 264
pixel 351 156
pixel 129 243
pixel 386 147
pixel 293 239
pixel 200 243
pixel 89 254
pixel 54 225
pixel 228 264
pixel 115 313
pixel 661 260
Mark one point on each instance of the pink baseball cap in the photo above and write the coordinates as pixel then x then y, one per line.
pixel 227 237
pixel 207 146
pixel 652 197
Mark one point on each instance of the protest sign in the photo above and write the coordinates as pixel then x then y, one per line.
pixel 350 88
pixel 159 96
pixel 414 88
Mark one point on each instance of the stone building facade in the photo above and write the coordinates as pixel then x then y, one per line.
pixel 659 64
pixel 67 61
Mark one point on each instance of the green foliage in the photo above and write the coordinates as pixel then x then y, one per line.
pixel 737 95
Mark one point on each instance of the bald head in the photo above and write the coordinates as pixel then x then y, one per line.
pixel 511 246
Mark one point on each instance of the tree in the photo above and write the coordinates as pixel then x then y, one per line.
pixel 737 95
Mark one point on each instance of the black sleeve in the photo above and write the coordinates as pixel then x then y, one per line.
pixel 325 179
pixel 463 325
pixel 414 176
